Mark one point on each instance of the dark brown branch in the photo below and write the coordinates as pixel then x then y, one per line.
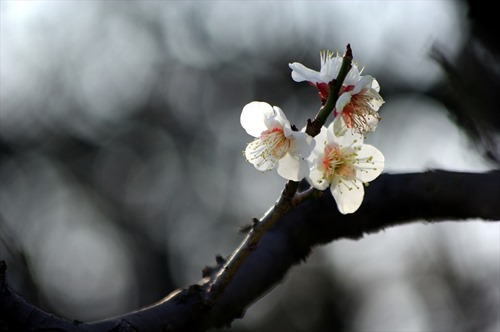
pixel 390 200
pixel 258 229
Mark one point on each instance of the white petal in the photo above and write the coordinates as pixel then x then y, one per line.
pixel 316 178
pixel 343 100
pixel 369 164
pixel 320 140
pixel 339 126
pixel 369 87
pixel 353 76
pixel 348 138
pixel 330 68
pixel 365 83
pixel 277 119
pixel 292 168
pixel 376 99
pixel 348 195
pixel 254 155
pixel 302 144
pixel 287 130
pixel 254 117
pixel 371 122
pixel 375 85
pixel 301 73
pixel 262 164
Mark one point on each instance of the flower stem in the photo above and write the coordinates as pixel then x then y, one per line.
pixel 225 275
pixel 288 199
pixel 314 127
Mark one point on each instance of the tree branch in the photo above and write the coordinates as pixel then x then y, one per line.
pixel 390 200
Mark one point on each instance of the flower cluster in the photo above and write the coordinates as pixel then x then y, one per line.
pixel 337 157
pixel 359 99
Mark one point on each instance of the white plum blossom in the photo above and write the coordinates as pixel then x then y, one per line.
pixel 359 99
pixel 276 143
pixel 357 107
pixel 344 164
pixel 330 67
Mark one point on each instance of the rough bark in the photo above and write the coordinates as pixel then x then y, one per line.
pixel 391 200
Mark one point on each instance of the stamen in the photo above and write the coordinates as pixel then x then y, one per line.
pixel 359 113
pixel 338 163
pixel 271 146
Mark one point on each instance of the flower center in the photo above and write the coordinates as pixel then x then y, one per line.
pixel 336 162
pixel 266 150
pixel 274 143
pixel 359 113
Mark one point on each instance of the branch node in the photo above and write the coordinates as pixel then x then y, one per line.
pixel 207 271
pixel 219 259
pixel 247 228
pixel 348 52
pixel 255 222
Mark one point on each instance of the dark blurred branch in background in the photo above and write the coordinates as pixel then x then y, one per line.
pixel 470 97
pixel 393 199
pixel 473 81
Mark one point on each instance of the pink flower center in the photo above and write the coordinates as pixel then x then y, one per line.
pixel 342 90
pixel 323 91
pixel 335 162
pixel 358 113
pixel 274 143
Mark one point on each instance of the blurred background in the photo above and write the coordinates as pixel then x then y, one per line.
pixel 121 173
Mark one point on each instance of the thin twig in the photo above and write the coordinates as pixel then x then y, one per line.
pixel 226 273
pixel 288 199
pixel 314 127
